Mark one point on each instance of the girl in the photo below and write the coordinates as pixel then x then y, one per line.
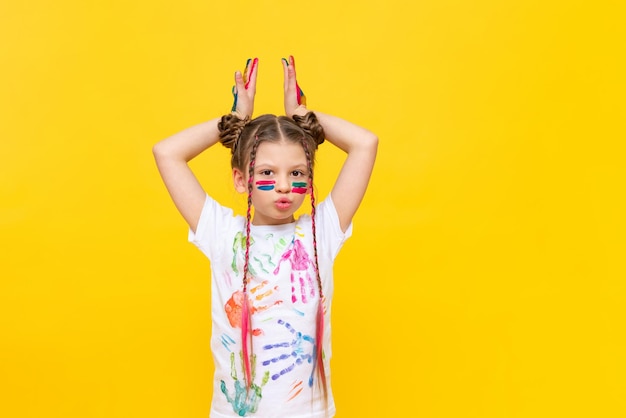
pixel 272 277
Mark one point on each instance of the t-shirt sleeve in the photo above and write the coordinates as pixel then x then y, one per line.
pixel 214 221
pixel 329 231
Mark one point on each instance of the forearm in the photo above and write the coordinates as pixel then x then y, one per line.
pixel 187 144
pixel 172 155
pixel 361 146
pixel 346 135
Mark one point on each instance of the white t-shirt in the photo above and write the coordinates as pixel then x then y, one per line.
pixel 283 292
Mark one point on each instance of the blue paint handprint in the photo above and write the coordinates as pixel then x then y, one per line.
pixel 294 354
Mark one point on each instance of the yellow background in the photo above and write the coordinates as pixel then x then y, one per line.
pixel 485 277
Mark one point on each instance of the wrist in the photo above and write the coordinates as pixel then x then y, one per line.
pixel 300 111
pixel 239 114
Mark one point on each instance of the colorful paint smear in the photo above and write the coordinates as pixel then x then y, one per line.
pixel 289 354
pixel 299 187
pixel 245 78
pixel 300 261
pixel 234 306
pixel 243 400
pixel 265 184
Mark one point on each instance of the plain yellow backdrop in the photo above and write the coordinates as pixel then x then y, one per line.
pixel 485 277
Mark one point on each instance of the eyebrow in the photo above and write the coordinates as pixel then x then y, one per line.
pixel 265 166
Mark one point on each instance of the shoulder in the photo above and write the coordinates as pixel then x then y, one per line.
pixel 215 224
pixel 326 215
pixel 327 224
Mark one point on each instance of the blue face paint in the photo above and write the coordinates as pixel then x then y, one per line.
pixel 265 184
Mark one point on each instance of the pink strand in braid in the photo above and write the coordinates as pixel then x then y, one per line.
pixel 318 363
pixel 246 315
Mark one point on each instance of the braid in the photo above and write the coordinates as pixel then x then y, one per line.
pixel 249 210
pixel 230 128
pixel 318 362
pixel 311 126
pixel 246 315
pixel 231 134
pixel 310 168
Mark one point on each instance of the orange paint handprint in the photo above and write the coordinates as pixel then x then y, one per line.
pixel 233 306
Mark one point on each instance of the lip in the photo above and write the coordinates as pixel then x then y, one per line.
pixel 283 204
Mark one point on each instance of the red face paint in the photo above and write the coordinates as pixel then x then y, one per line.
pixel 265 184
pixel 299 187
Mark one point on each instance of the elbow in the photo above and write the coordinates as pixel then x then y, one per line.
pixel 372 142
pixel 161 151
pixel 157 151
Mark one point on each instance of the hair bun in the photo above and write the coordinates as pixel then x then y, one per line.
pixel 311 126
pixel 230 128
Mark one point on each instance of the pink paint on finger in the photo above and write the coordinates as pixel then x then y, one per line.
pixel 254 62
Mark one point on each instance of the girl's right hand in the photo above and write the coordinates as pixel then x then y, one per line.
pixel 295 100
pixel 244 89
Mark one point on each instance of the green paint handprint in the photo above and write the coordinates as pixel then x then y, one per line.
pixel 244 401
pixel 239 244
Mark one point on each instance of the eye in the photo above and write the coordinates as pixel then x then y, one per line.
pixel 265 172
pixel 297 173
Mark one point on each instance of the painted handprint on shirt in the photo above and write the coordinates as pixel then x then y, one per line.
pixel 244 401
pixel 302 284
pixel 234 305
pixel 287 355
pixel 239 244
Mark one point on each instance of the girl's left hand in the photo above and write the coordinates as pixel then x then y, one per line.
pixel 295 100
pixel 244 89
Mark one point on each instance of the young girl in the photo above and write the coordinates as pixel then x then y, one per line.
pixel 272 278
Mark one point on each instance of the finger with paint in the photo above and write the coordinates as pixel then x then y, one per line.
pixel 300 94
pixel 300 97
pixel 248 76
pixel 295 98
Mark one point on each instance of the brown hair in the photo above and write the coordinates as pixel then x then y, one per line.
pixel 241 135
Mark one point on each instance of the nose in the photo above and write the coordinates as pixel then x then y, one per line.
pixel 282 185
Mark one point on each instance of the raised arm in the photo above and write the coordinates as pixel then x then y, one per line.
pixel 359 143
pixel 351 184
pixel 173 154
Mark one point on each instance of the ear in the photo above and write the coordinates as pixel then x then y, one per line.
pixel 239 179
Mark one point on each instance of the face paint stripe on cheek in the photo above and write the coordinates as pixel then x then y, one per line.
pixel 299 187
pixel 265 184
